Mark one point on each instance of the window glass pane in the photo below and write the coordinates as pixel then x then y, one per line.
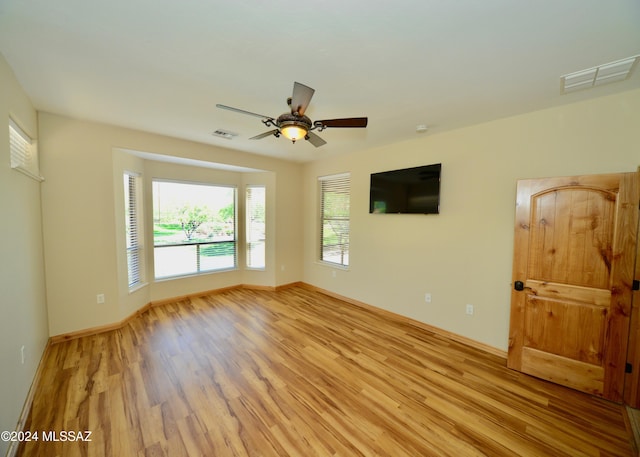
pixel 194 228
pixel 256 229
pixel 335 198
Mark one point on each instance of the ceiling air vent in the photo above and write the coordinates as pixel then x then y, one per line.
pixel 596 76
pixel 224 134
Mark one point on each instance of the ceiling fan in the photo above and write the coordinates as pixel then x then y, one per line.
pixel 295 125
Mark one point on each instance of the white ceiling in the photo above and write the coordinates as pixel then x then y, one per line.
pixel 162 65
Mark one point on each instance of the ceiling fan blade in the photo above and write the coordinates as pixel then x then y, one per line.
pixel 315 139
pixel 241 111
pixel 265 134
pixel 300 98
pixel 350 122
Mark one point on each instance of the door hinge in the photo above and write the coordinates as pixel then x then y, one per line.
pixel 636 285
pixel 628 368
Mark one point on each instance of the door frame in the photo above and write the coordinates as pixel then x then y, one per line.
pixel 632 379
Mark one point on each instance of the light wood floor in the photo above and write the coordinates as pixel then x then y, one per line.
pixel 297 373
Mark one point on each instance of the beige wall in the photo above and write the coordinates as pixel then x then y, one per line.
pixel 460 256
pixel 84 227
pixel 23 313
pixel 463 255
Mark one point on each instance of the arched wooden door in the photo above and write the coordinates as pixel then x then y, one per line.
pixel 574 257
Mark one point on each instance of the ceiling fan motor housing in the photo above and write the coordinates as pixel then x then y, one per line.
pixel 288 119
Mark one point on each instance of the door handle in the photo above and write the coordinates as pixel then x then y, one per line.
pixel 518 285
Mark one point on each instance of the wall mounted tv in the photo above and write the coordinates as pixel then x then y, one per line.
pixel 408 191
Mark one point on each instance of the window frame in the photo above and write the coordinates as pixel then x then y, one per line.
pixel 339 183
pixel 198 270
pixel 249 221
pixel 23 152
pixel 134 239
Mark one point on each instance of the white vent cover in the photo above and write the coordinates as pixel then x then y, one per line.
pixel 224 134
pixel 603 74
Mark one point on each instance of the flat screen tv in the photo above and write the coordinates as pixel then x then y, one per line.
pixel 408 191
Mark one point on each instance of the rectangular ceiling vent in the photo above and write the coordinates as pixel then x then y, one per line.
pixel 596 76
pixel 224 134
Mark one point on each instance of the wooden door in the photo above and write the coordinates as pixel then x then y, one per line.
pixel 574 256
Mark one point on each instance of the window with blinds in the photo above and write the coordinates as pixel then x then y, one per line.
pixel 23 151
pixel 256 229
pixel 335 198
pixel 132 204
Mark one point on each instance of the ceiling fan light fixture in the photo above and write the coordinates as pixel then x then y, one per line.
pixel 293 131
pixel 293 126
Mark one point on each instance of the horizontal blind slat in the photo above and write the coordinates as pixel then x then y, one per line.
pixel 255 231
pixel 23 152
pixel 135 267
pixel 335 215
pixel 19 148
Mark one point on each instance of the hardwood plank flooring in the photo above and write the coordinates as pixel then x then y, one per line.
pixel 298 373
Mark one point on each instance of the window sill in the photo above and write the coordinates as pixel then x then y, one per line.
pixel 334 266
pixel 137 287
pixel 191 275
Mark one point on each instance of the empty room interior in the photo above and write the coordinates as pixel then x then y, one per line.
pixel 336 228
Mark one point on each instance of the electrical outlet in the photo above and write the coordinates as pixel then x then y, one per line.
pixel 427 297
pixel 100 299
pixel 469 310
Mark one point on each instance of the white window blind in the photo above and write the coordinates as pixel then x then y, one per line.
pixel 256 229
pixel 335 199
pixel 133 227
pixel 23 151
